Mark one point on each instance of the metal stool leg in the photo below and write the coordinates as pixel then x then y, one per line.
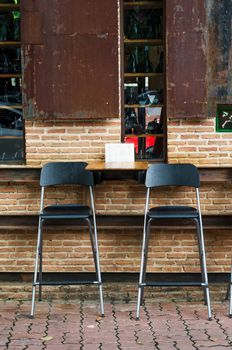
pixel 201 255
pixel 94 244
pixel 145 260
pixel 36 267
pixel 92 240
pixel 143 257
pixel 40 261
pixel 230 289
pixel 98 270
pixel 96 252
pixel 203 265
pixel 142 267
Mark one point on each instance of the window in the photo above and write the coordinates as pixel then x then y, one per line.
pixel 144 122
pixel 11 121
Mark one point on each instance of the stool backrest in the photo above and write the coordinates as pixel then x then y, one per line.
pixel 65 173
pixel 172 175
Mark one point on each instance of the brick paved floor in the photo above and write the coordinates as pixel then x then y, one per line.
pixel 76 325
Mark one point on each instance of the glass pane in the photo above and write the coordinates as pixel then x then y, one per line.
pixel 150 147
pixel 11 149
pixel 141 23
pixel 11 135
pixel 10 91
pixel 9 25
pixel 143 59
pixel 144 78
pixel 11 123
pixel 10 60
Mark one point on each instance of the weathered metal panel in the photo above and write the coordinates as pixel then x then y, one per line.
pixel 186 58
pixel 71 71
pixel 31 32
pixel 219 14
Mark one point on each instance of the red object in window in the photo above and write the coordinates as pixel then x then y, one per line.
pixel 133 140
pixel 150 141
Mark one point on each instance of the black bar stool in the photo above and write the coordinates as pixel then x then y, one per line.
pixel 172 175
pixel 66 173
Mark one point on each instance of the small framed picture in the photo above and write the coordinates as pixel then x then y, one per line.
pixel 224 118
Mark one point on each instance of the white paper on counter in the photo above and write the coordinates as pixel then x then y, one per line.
pixel 119 152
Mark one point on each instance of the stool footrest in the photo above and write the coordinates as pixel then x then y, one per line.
pixel 65 283
pixel 174 284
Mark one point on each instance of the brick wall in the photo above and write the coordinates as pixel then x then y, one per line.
pixel 188 141
pixel 70 251
pixel 64 140
pixel 197 142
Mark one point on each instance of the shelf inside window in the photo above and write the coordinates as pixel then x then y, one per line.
pixel 13 7
pixel 10 75
pixel 150 4
pixel 10 43
pixel 143 75
pixel 8 137
pixel 151 42
pixel 11 107
pixel 142 106
pixel 144 135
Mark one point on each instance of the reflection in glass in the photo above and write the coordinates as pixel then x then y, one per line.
pixel 11 119
pixel 11 123
pixel 10 60
pixel 16 15
pixel 143 59
pixel 11 149
pixel 11 134
pixel 150 147
pixel 9 25
pixel 10 91
pixel 143 23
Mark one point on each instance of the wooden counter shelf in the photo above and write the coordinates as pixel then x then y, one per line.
pixel 103 166
pixel 27 174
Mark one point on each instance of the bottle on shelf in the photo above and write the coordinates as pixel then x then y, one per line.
pixel 133 28
pixel 133 61
pixel 147 65
pixel 131 122
pixel 154 127
pixel 159 67
pixel 157 22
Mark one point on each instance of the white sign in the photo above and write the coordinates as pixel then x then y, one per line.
pixel 119 152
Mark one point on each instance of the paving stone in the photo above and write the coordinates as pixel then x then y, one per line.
pixel 162 325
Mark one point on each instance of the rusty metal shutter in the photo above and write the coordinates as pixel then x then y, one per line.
pixel 186 58
pixel 219 53
pixel 70 58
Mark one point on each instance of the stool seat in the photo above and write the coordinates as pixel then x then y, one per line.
pixel 173 212
pixel 66 211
